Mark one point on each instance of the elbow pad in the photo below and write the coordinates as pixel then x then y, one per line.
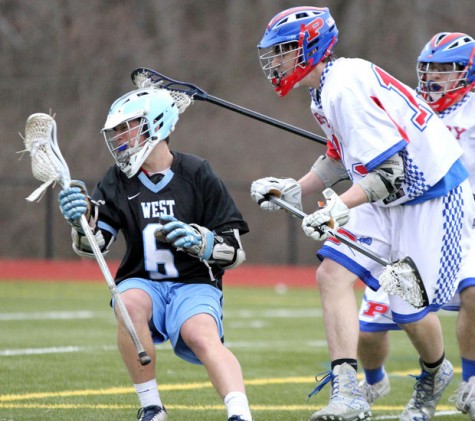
pixel 329 170
pixel 385 180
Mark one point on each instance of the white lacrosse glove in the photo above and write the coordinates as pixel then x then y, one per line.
pixel 334 214
pixel 81 245
pixel 287 189
pixel 194 239
pixel 74 202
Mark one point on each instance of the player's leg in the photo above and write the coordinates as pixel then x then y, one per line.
pixel 335 282
pixel 200 333
pixel 340 314
pixel 436 371
pixel 464 397
pixel 440 270
pixel 137 297
pixel 373 343
pixel 196 332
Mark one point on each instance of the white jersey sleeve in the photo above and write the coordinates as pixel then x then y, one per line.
pixel 369 116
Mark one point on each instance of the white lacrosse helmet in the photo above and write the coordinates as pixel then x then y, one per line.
pixel 136 123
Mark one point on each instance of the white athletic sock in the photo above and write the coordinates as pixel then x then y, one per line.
pixel 148 393
pixel 237 404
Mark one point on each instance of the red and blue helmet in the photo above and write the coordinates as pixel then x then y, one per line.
pixel 445 69
pixel 294 42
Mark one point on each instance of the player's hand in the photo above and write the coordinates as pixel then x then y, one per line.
pixel 73 202
pixel 334 214
pixel 287 189
pixel 195 240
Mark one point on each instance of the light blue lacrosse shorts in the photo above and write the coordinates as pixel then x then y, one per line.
pixel 174 303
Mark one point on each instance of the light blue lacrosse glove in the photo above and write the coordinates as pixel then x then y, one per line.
pixel 73 202
pixel 194 239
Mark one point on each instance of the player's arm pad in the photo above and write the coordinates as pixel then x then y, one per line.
pixel 329 170
pixel 384 180
pixel 227 249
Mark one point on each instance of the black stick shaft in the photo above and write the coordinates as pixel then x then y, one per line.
pixel 264 118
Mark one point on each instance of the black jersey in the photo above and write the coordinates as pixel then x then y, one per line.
pixel 191 192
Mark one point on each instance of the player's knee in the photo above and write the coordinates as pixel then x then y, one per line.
pixel 467 298
pixel 138 304
pixel 332 279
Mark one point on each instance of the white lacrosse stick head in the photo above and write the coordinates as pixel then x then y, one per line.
pixel 144 80
pixel 403 279
pixel 47 162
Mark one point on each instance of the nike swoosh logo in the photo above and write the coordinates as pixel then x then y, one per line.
pixel 133 197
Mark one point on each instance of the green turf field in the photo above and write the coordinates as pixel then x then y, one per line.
pixel 58 358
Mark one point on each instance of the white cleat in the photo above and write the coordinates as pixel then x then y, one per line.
pixel 427 393
pixel 464 398
pixel 373 392
pixel 347 403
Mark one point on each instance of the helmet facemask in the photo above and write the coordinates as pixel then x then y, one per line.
pixel 129 141
pixel 442 84
pixel 446 69
pixel 280 61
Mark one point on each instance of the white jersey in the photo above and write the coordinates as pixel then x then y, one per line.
pixel 369 116
pixel 460 120
pixel 375 312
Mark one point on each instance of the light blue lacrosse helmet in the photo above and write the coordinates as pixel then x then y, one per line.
pixel 308 31
pixel 457 51
pixel 136 123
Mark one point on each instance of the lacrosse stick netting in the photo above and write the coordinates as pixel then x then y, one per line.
pixel 49 166
pixel 402 278
pixel 144 80
pixel 47 163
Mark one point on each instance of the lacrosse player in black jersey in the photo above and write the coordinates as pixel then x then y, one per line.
pixel 182 230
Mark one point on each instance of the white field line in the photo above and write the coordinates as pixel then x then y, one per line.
pixel 48 315
pixel 236 319
pixel 232 314
pixel 242 319
pixel 233 345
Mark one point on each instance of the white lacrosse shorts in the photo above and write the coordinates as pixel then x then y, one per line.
pixel 375 311
pixel 436 234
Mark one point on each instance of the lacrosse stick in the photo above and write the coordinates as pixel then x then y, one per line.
pixel 185 93
pixel 49 166
pixel 400 278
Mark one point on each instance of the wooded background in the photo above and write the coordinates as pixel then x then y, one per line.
pixel 75 58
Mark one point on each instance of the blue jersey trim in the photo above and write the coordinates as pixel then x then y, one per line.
pixel 465 283
pixel 106 227
pixel 160 185
pixel 378 327
pixel 410 318
pixel 454 177
pixel 376 162
pixel 349 264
